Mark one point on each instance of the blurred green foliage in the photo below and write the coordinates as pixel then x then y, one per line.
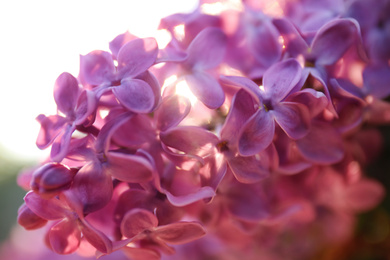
pixel 11 195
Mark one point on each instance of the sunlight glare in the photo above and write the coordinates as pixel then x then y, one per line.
pixel 179 32
pixel 184 90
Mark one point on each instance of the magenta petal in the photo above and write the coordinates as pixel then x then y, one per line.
pixel 116 44
pixel 128 167
pixel 264 43
pixel 171 53
pixel 206 88
pixel 103 140
pixel 136 95
pixel 136 221
pixel 135 132
pixel 60 146
pixel 65 237
pixel 190 140
pixel 51 209
pixel 137 56
pixel 293 118
pixel 91 189
pixel 323 144
pixel 257 133
pixel 184 200
pixel 141 253
pixel 152 81
pixel 207 49
pixel 247 169
pixel 50 179
pixel 66 91
pixel 364 195
pixel 97 67
pixel 314 100
pixel 293 40
pixel 241 109
pixel 28 219
pixel 244 83
pixel 86 106
pixel 333 40
pixel 376 79
pixel 51 127
pixel 281 78
pixel 180 232
pixel 255 207
pixel 96 238
pixel 172 111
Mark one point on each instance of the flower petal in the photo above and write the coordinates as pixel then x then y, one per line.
pixel 264 43
pixel 128 167
pixel 315 101
pixel 66 91
pixel 116 44
pixel 152 81
pixel 293 118
pixel 137 56
pixel 60 146
pixel 103 139
pixel 323 144
pixel 28 219
pixel 51 127
pixel 180 232
pixel 364 195
pixel 96 238
pixel 91 189
pixel 293 40
pixel 244 83
pixel 281 78
pixel 85 109
pixel 136 221
pixel 376 79
pixel 247 169
pixel 172 111
pixel 207 49
pixel 190 140
pixel 136 95
pixel 65 237
pixel 241 109
pixel 257 133
pixel 134 132
pixel 184 200
pixel 206 88
pixel 255 207
pixel 141 253
pixel 333 40
pixel 49 209
pixel 97 67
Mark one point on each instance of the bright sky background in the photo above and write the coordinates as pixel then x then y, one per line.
pixel 41 39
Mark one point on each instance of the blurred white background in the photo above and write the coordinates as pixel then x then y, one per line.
pixel 41 39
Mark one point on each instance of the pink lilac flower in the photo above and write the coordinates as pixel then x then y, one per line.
pixel 278 82
pixel 269 163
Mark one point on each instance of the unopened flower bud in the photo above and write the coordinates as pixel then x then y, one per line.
pixel 52 178
pixel 28 219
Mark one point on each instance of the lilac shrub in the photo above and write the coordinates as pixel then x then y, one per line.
pixel 243 137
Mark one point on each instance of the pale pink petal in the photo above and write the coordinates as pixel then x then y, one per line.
pixel 137 221
pixel 65 237
pixel 179 233
pixel 128 167
pixel 137 56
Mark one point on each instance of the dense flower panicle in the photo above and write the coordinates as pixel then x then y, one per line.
pixel 248 127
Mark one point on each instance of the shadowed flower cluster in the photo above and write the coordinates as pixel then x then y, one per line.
pixel 249 127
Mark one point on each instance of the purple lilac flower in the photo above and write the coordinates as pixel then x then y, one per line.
pixel 138 171
pixel 270 106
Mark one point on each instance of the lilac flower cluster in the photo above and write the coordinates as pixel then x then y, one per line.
pixel 245 136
